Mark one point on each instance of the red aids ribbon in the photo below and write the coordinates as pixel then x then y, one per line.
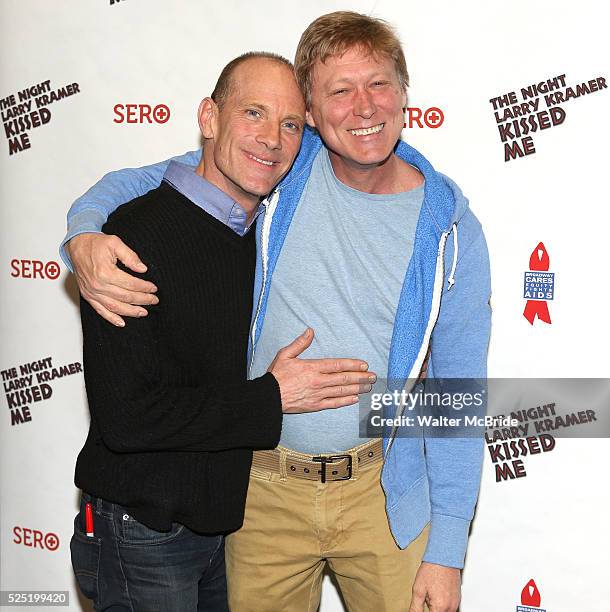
pixel 539 262
pixel 530 596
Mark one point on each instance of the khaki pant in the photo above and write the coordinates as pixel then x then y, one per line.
pixel 294 527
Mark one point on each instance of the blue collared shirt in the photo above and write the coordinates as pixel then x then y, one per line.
pixel 214 201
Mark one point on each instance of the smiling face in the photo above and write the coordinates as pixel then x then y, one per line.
pixel 254 136
pixel 356 106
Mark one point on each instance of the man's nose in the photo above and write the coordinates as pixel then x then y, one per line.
pixel 364 106
pixel 271 135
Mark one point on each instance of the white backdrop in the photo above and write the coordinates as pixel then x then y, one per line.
pixel 549 526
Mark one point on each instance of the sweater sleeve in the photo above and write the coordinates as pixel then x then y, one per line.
pixel 89 212
pixel 459 351
pixel 138 410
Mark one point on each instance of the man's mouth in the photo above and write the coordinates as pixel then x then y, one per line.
pixel 366 131
pixel 265 162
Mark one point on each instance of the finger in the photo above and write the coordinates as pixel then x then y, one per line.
pixel 298 345
pixel 334 402
pixel 340 365
pixel 112 292
pixel 346 378
pixel 128 256
pixel 120 308
pixel 124 280
pixel 106 314
pixel 343 390
pixel 417 600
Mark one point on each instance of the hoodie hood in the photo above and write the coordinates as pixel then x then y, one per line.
pixel 454 204
pixel 460 200
pixel 442 197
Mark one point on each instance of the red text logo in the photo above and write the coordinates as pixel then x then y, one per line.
pixel 141 113
pixel 33 538
pixel 432 117
pixel 34 268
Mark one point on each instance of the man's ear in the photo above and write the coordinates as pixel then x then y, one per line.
pixel 309 119
pixel 404 97
pixel 207 115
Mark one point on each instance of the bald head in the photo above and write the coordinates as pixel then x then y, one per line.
pixel 226 80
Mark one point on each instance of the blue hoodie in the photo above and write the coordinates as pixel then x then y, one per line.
pixel 444 301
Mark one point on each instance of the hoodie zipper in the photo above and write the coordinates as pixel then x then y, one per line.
pixel 272 205
pixel 437 291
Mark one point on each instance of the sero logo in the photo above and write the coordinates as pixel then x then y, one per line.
pixel 432 117
pixel 538 286
pixel 141 113
pixel 530 598
pixel 34 268
pixel 32 538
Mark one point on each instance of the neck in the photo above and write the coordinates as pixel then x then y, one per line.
pixel 207 169
pixel 392 175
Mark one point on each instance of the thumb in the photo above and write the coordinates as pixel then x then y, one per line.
pixel 417 603
pixel 298 345
pixel 129 257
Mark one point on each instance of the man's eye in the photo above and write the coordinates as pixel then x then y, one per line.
pixel 380 83
pixel 338 92
pixel 294 127
pixel 253 113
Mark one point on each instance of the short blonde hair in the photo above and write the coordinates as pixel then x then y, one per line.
pixel 335 33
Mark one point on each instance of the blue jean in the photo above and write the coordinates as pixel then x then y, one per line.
pixel 128 566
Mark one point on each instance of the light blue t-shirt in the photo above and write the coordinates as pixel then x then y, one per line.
pixel 340 272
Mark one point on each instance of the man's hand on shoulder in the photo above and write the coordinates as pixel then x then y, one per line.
pixel 437 586
pixel 112 293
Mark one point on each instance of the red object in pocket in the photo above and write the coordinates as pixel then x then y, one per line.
pixel 89 520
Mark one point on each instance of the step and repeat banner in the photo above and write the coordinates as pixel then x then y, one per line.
pixel 509 99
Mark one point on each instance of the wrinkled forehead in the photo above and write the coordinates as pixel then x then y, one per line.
pixel 269 86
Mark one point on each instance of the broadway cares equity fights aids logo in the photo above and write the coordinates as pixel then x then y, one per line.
pixel 538 286
pixel 530 598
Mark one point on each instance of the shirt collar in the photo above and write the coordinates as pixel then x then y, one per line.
pixel 210 198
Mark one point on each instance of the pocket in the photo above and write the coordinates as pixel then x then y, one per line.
pixel 135 533
pixel 85 555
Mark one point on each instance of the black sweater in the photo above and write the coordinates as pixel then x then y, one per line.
pixel 173 418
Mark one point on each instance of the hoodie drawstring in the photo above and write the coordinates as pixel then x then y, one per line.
pixel 451 279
